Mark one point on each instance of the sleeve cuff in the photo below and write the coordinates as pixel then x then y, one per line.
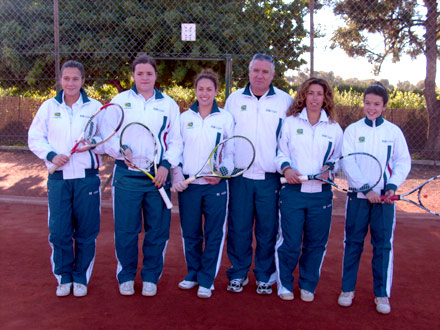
pixel 390 186
pixel 165 164
pixel 51 155
pixel 284 166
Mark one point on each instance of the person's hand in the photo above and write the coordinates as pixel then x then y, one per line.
pixel 128 155
pixel 291 176
pixel 60 160
pixel 325 174
pixel 161 176
pixel 84 146
pixel 212 180
pixel 388 195
pixel 373 197
pixel 177 180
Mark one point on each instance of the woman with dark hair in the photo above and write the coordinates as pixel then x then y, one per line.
pixel 310 137
pixel 384 140
pixel 136 198
pixel 73 190
pixel 202 127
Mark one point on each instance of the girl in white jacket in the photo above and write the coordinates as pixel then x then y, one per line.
pixel 73 190
pixel 384 140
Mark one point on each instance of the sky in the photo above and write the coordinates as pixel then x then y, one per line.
pixel 346 67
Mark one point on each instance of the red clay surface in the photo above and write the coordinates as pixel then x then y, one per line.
pixel 27 286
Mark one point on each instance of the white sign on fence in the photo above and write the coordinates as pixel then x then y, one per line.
pixel 188 32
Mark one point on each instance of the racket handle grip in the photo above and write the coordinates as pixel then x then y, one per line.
pixel 393 198
pixel 303 177
pixel 190 180
pixel 53 169
pixel 165 198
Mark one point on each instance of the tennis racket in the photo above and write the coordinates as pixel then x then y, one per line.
pixel 139 139
pixel 230 158
pixel 427 196
pixel 103 123
pixel 347 173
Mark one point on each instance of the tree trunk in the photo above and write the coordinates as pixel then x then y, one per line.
pixel 432 147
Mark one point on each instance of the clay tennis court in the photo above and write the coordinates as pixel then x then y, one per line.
pixel 27 286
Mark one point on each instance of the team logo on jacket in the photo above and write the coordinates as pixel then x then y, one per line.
pixel 243 107
pixel 299 131
pixel 57 114
pixel 361 138
pixel 127 105
pixel 190 124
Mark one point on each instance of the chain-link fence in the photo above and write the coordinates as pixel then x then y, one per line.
pixel 36 36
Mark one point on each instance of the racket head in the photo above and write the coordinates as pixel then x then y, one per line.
pixel 348 172
pixel 139 139
pixel 428 195
pixel 104 123
pixel 232 157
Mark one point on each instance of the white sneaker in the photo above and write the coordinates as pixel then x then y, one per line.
pixel 149 289
pixel 285 294
pixel 204 292
pixel 264 288
pixel 79 290
pixel 307 296
pixel 382 305
pixel 126 288
pixel 186 285
pixel 237 284
pixel 64 289
pixel 346 298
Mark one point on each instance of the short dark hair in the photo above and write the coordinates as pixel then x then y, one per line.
pixel 207 74
pixel 144 59
pixel 74 64
pixel 262 57
pixel 377 89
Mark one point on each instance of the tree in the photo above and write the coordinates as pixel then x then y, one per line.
pixel 107 35
pixel 404 29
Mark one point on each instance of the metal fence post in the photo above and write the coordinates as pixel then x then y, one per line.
pixel 56 28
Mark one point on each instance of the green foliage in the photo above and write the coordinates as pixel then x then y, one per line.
pixel 406 100
pixel 107 35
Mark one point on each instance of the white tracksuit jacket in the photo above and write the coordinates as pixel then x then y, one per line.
pixel 54 131
pixel 260 121
pixel 200 136
pixel 307 148
pixel 386 142
pixel 160 114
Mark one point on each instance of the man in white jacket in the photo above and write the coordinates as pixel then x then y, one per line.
pixel 258 111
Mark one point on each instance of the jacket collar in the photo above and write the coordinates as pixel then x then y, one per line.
pixel 247 90
pixel 83 94
pixel 157 93
pixel 377 122
pixel 195 107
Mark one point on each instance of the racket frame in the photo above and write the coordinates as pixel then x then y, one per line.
pixel 161 190
pixel 209 162
pixel 331 166
pixel 86 127
pixel 419 189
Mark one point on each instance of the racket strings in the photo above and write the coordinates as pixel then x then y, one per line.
pixel 104 123
pixel 141 145
pixel 360 172
pixel 232 157
pixel 429 195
